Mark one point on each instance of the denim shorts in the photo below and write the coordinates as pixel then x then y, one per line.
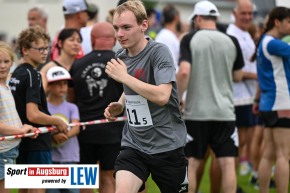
pixel 7 157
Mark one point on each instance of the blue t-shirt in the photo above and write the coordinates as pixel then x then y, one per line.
pixel 273 62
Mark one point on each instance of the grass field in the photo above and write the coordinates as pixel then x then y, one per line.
pixel 243 182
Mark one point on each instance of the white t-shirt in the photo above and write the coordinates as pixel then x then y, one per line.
pixel 170 39
pixel 244 91
pixel 86 43
pixel 8 116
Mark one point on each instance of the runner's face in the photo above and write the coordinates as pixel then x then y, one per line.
pixel 128 32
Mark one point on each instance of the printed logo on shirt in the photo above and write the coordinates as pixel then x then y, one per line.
pixel 13 82
pixel 140 74
pixel 165 65
pixel 93 75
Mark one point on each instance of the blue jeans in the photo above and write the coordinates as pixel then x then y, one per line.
pixel 7 157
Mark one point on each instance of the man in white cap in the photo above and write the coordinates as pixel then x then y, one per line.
pixel 75 16
pixel 209 62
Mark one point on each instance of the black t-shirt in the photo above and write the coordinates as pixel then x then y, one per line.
pixel 26 87
pixel 94 91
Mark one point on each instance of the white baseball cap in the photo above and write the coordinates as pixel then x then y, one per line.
pixel 74 6
pixel 205 8
pixel 57 73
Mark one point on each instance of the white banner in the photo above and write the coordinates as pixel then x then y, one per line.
pixel 51 176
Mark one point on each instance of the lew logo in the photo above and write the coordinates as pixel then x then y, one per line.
pixel 84 176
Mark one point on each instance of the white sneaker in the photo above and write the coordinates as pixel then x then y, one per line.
pixel 244 168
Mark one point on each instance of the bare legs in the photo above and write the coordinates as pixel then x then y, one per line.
pixel 277 146
pixel 2 189
pixel 227 166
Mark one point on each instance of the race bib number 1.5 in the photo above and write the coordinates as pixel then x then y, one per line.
pixel 137 110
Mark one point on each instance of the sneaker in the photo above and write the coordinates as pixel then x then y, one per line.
pixel 240 190
pixel 272 184
pixel 256 187
pixel 244 168
pixel 253 180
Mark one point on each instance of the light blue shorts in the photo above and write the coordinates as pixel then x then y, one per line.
pixel 7 157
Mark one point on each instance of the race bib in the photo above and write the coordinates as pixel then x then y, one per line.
pixel 137 110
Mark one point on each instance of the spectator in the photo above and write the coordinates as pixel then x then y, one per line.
pixel 207 71
pixel 86 31
pixel 92 90
pixel 69 45
pixel 65 145
pixel 244 91
pixel 272 99
pixel 168 35
pixel 37 16
pixel 30 99
pixel 151 31
pixel 10 123
pixel 75 16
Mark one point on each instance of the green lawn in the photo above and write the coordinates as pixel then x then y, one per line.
pixel 243 182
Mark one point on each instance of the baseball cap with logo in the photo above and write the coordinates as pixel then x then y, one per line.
pixel 74 6
pixel 57 73
pixel 205 8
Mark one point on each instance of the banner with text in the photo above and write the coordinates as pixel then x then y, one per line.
pixel 51 176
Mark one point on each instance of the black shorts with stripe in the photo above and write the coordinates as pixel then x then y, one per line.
pixel 221 136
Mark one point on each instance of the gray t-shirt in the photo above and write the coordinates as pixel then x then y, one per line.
pixel 152 128
pixel 213 56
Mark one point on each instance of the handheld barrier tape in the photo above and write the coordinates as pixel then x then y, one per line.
pixel 53 128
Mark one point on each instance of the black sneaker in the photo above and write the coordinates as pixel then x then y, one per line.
pixel 253 180
pixel 240 190
pixel 272 184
